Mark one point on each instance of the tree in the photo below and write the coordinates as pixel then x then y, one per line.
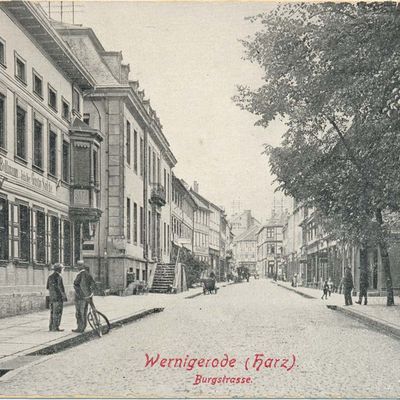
pixel 332 73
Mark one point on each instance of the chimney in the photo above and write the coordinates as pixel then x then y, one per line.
pixel 196 186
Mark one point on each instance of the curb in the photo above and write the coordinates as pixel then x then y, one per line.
pixel 380 326
pixel 307 296
pixel 89 335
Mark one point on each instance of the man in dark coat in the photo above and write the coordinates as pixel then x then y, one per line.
pixel 364 283
pixel 57 296
pixel 348 286
pixel 84 286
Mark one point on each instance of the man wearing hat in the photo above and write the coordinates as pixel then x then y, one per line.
pixel 84 286
pixel 57 296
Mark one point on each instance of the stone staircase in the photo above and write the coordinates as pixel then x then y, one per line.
pixel 163 278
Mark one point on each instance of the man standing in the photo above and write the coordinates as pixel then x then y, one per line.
pixel 348 286
pixel 57 296
pixel 84 286
pixel 364 283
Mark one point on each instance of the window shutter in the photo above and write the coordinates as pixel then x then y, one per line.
pixel 15 230
pixel 47 238
pixel 34 233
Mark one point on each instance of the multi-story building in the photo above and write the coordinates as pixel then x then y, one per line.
pixel 245 248
pixel 293 260
pixel 136 169
pixel 49 158
pixel 182 217
pixel 201 226
pixel 269 247
pixel 242 221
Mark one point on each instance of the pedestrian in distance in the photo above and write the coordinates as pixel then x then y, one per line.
pixel 57 297
pixel 330 286
pixel 364 284
pixel 84 286
pixel 325 289
pixel 348 286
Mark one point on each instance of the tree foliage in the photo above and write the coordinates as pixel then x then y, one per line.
pixel 332 73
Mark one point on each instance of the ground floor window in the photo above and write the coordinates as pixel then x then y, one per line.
pixel 67 242
pixel 77 242
pixel 40 237
pixel 55 239
pixel 24 232
pixel 3 229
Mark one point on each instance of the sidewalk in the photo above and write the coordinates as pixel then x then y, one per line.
pixel 29 333
pixel 375 314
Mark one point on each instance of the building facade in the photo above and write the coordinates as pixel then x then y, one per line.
pixel 43 179
pixel 136 172
pixel 182 217
pixel 201 227
pixel 245 249
pixel 269 248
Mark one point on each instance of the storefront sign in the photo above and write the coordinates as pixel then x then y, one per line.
pixel 28 177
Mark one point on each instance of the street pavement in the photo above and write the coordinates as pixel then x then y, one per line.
pixel 307 351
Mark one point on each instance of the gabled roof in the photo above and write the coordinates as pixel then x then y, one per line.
pixel 249 235
pixel 32 17
pixel 200 202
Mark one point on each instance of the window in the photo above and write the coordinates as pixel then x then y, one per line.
pixel 65 162
pixel 154 167
pixel 135 149
pixel 2 121
pixel 55 239
pixel 40 237
pixel 128 219
pixel 141 157
pixel 67 242
pixel 167 189
pixel 165 237
pixel 52 98
pixel 95 168
pixel 37 85
pixel 3 229
pixel 128 142
pixel 135 233
pixel 65 110
pixel 149 171
pixel 37 144
pixel 53 153
pixel 20 69
pixel 86 118
pixel 2 53
pixel 24 233
pixel 270 232
pixel 76 101
pixel 141 226
pixel 21 129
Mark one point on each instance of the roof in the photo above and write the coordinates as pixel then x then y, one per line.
pixel 36 23
pixel 200 202
pixel 187 195
pixel 249 235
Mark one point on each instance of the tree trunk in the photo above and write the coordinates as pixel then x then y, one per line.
pixel 385 259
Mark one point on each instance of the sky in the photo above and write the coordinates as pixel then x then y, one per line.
pixel 188 59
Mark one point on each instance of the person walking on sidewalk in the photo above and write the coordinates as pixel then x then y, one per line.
pixel 330 286
pixel 325 289
pixel 57 297
pixel 84 286
pixel 348 286
pixel 363 286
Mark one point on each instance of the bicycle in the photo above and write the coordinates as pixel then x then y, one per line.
pixel 97 320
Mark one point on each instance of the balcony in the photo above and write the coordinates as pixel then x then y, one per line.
pixel 158 196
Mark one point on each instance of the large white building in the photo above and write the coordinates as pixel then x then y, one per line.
pixel 136 170
pixel 41 88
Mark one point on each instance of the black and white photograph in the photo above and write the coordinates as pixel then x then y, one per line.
pixel 199 199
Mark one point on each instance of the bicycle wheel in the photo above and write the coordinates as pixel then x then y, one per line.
pixel 98 322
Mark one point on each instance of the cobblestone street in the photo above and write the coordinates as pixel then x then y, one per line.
pixel 335 356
